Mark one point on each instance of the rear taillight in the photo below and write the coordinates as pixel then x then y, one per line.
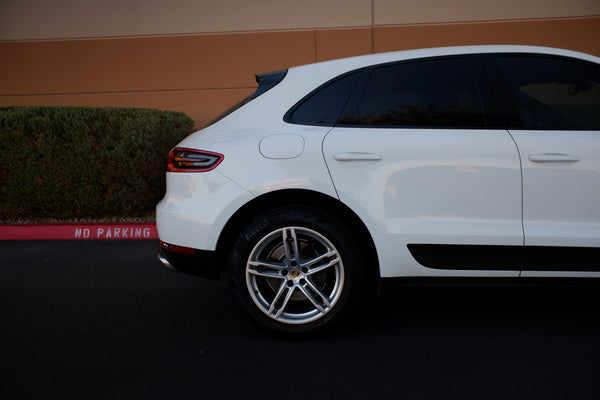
pixel 190 160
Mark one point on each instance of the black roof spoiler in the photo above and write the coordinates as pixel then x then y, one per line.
pixel 267 80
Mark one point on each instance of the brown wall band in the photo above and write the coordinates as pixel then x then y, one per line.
pixel 202 75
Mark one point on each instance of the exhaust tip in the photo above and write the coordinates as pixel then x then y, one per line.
pixel 163 259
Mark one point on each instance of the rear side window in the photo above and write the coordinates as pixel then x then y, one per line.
pixel 324 105
pixel 549 93
pixel 441 93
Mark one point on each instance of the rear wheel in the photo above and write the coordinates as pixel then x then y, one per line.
pixel 296 269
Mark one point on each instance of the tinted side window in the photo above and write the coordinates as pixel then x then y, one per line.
pixel 324 106
pixel 551 93
pixel 432 93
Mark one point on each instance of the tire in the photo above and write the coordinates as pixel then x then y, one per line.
pixel 304 285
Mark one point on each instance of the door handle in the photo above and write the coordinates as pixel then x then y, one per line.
pixel 552 157
pixel 357 157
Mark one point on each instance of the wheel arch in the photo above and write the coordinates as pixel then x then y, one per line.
pixel 303 197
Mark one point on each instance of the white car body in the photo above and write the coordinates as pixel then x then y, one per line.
pixel 466 187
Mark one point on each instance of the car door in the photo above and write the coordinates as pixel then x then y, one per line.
pixel 552 106
pixel 416 155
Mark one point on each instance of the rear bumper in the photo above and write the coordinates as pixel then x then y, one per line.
pixel 200 263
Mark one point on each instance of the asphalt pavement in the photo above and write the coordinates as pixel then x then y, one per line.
pixel 105 320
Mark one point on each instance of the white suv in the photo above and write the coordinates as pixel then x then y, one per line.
pixel 478 162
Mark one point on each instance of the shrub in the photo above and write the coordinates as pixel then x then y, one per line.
pixel 67 163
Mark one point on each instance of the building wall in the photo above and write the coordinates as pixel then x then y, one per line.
pixel 200 57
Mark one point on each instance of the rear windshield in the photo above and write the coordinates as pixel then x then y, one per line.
pixel 265 82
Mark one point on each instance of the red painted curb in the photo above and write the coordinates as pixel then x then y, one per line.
pixel 116 231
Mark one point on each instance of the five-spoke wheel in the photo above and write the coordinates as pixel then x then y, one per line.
pixel 295 269
pixel 295 275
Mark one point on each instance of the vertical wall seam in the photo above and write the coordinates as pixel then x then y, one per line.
pixel 315 45
pixel 372 26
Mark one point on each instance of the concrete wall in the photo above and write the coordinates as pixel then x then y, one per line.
pixel 200 57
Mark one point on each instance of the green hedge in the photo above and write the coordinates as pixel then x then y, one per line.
pixel 70 163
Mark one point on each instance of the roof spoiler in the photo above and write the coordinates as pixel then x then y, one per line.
pixel 267 80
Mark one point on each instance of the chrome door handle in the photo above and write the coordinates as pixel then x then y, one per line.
pixel 357 157
pixel 552 157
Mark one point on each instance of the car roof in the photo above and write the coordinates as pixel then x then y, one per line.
pixel 380 58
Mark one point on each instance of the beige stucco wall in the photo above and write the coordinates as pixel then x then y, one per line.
pixel 69 19
pixel 34 19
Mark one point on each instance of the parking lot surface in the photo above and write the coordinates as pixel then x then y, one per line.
pixel 104 320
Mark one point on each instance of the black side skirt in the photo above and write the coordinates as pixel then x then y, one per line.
pixel 506 258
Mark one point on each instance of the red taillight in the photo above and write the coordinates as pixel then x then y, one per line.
pixel 190 160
